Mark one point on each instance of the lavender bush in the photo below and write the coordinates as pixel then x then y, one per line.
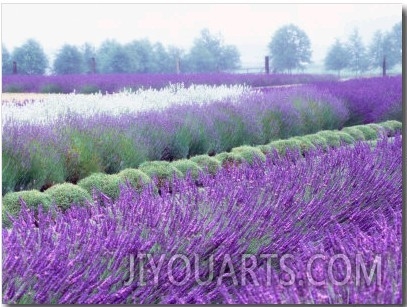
pixel 347 201
pixel 117 82
pixel 369 100
pixel 71 147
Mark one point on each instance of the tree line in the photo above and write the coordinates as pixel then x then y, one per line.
pixel 289 49
pixel 209 53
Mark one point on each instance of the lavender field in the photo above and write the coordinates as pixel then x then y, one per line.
pixel 206 188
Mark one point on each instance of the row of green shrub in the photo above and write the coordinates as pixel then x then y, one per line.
pixel 66 194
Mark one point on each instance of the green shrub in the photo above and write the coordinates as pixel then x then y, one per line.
pixel 135 177
pixel 305 144
pixel 51 89
pixel 314 139
pixel 160 169
pixel 249 153
pixel 355 133
pixel 331 137
pixel 107 184
pixel 116 151
pixel 185 166
pixel 379 129
pixel 265 149
pixel 391 127
pixel 12 204
pixel 345 138
pixel 13 88
pixel 207 163
pixel 229 158
pixel 66 194
pixel 89 89
pixel 283 145
pixel 368 132
pixel 83 158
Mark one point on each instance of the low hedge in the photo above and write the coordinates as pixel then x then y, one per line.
pixel 65 194
pixel 32 199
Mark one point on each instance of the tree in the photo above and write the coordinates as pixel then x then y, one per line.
pixel 68 60
pixel 382 47
pixel 161 61
pixel 88 52
pixel 30 58
pixel 395 41
pixel 358 61
pixel 210 54
pixel 6 64
pixel 290 48
pixel 113 58
pixel 337 57
pixel 140 55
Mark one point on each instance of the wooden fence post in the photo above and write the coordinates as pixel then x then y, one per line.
pixel 384 66
pixel 266 65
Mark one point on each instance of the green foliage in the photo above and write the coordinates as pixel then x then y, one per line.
pixel 380 47
pixel 337 58
pixel 6 62
pixel 210 54
pixel 135 177
pixel 345 138
pixel 368 132
pixel 207 163
pixel 229 158
pixel 331 137
pixel 271 125
pixel 107 184
pixel 305 144
pixel 30 58
pixel 316 140
pixel 283 145
pixel 83 158
pixel 13 88
pixel 64 195
pixel 250 154
pixel 51 88
pixel 379 129
pixel 358 60
pixel 392 126
pixel 117 151
pixel 161 169
pixel 289 48
pixel 113 58
pixel 32 199
pixel 355 133
pixel 89 89
pixel 265 149
pixel 188 166
pixel 68 60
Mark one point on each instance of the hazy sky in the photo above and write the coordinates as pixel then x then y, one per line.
pixel 248 26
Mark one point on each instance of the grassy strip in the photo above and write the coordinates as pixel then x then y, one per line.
pixel 161 172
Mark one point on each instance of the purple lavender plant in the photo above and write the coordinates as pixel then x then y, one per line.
pixel 346 201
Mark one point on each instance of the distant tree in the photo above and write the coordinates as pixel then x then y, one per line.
pixel 395 39
pixel 161 61
pixel 140 54
pixel 175 55
pixel 113 58
pixel 68 60
pixel 88 52
pixel 209 54
pixel 30 58
pixel 290 48
pixel 358 59
pixel 337 58
pixel 6 64
pixel 382 47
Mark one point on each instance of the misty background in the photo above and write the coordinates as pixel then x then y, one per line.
pixel 177 27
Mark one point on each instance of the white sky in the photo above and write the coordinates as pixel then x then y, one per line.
pixel 248 26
